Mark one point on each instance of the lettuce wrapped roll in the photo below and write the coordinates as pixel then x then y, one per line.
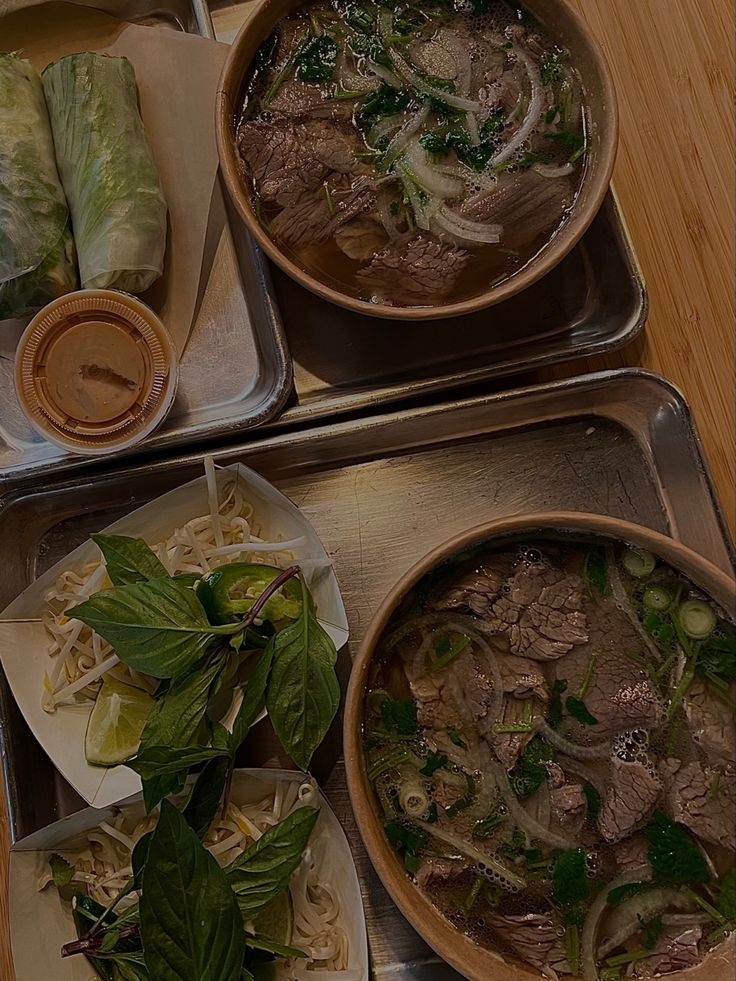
pixel 36 247
pixel 107 169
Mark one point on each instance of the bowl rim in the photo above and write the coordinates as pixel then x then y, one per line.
pixel 565 238
pixel 470 959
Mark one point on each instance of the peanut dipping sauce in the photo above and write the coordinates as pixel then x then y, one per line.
pixel 96 371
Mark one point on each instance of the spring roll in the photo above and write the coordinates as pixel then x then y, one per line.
pixel 36 247
pixel 107 170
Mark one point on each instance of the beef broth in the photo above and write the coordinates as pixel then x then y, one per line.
pixel 458 128
pixel 549 730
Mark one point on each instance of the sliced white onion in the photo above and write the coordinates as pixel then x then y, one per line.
pixel 468 176
pixel 595 914
pixel 383 210
pixel 553 170
pixel 627 918
pixel 505 877
pixel 471 231
pixel 471 125
pixel 397 144
pixel 428 176
pixel 386 75
pixel 598 751
pixel 524 820
pixel 420 215
pixel 533 114
pixel 385 126
pixel 410 75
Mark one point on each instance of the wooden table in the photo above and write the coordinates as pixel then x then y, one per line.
pixel 673 64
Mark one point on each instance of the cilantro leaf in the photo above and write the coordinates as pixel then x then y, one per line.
pixel 579 710
pixel 593 799
pixel 530 770
pixel 673 854
pixel 554 715
pixel 435 761
pixel 62 871
pixel 570 877
pixel 400 715
pixel 726 901
pixel 409 842
pixel 595 570
pixel 651 930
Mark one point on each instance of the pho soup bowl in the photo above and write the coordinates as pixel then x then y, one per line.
pixel 393 655
pixel 428 212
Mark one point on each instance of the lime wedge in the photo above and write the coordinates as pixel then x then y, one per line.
pixel 276 920
pixel 116 723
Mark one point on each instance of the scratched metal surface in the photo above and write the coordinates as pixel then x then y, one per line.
pixel 381 492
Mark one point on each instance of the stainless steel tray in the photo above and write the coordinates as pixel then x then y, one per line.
pixel 593 302
pixel 381 492
pixel 236 372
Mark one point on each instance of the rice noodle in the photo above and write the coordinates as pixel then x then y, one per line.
pixel 536 106
pixel 595 914
pixel 102 863
pixel 80 658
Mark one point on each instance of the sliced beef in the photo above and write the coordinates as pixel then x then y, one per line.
pixel 438 872
pixel 499 92
pixel 286 159
pixel 418 271
pixel 632 793
pixel 540 609
pixel 314 216
pixel 569 806
pixel 676 950
pixel 473 592
pixel 508 746
pixel 537 938
pixel 619 693
pixel 703 798
pixel 632 853
pixel 524 203
pixel 711 721
pixel 361 238
pixel 521 676
pixel 297 98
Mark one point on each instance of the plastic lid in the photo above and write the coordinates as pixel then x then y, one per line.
pixel 96 371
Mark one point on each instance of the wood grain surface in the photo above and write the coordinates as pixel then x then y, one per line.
pixel 673 63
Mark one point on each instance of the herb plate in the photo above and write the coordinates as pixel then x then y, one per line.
pixel 40 922
pixel 24 641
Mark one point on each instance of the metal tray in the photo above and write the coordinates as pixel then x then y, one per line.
pixel 593 302
pixel 236 372
pixel 381 492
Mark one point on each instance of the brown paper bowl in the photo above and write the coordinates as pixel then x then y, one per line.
pixel 566 26
pixel 471 960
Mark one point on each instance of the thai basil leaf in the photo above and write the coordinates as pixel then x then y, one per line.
pixel 157 627
pixel 303 692
pixel 580 711
pixel 191 927
pixel 129 560
pixel 263 871
pixel 271 947
pixel 159 761
pixel 254 698
pixel 139 858
pixel 178 714
pixel 206 795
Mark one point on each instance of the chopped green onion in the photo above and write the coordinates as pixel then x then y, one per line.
pixel 505 728
pixel 704 905
pixel 588 676
pixel 628 958
pixel 638 562
pixel 698 619
pixel 572 948
pixel 445 650
pixel 473 894
pixel 657 598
